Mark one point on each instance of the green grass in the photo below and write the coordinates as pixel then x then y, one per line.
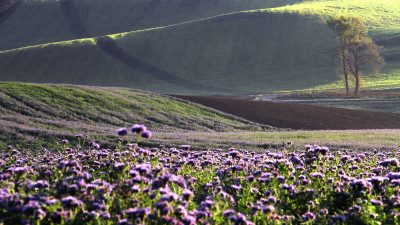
pixel 383 17
pixel 351 139
pixel 36 116
pixel 41 21
pixel 242 52
pixel 244 57
pixel 48 113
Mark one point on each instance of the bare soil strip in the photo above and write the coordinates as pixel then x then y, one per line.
pixel 298 116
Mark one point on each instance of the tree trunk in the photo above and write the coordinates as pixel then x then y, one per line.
pixel 346 79
pixel 346 75
pixel 357 89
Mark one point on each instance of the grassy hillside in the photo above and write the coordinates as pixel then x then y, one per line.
pixel 239 52
pixel 37 115
pixel 33 113
pixel 43 21
pixel 275 49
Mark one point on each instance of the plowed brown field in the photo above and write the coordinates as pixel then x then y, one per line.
pixel 298 116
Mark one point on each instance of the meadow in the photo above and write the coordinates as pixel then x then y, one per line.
pixel 131 184
pixel 72 155
pixel 79 145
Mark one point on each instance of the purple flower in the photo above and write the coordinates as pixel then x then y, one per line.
pixel 137 213
pixel 272 199
pixel 143 168
pixel 393 175
pixel 390 162
pixel 18 170
pixel 185 147
pixel 41 184
pixel 295 160
pixel 376 202
pixel 187 194
pixel 189 220
pixel 70 201
pixel 119 166
pixel 268 209
pixel 181 211
pixel 94 144
pixel 323 211
pixel 236 187
pixel 228 212
pixel 138 129
pixel 308 216
pixel 207 203
pixel 146 134
pixel 31 207
pixel 317 175
pixel 122 132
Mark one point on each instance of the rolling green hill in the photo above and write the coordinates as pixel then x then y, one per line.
pixel 42 21
pixel 275 49
pixel 33 113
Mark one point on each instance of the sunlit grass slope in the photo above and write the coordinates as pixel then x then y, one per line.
pixel 383 20
pixel 382 17
pixel 43 21
pixel 241 52
pixel 32 112
pixel 276 49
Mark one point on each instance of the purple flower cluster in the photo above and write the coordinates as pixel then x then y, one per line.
pixel 182 186
pixel 139 130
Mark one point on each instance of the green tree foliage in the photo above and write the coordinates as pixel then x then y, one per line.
pixel 356 51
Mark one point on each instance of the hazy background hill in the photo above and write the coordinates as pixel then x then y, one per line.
pixel 190 47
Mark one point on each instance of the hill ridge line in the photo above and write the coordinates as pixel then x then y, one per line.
pixel 142 30
pixel 109 47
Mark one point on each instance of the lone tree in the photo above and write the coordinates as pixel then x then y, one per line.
pixel 356 51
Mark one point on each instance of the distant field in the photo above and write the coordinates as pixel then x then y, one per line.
pixel 374 104
pixel 301 116
pixel 261 141
pixel 385 100
pixel 226 52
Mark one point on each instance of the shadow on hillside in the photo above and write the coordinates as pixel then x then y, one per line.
pixel 108 46
pixel 7 8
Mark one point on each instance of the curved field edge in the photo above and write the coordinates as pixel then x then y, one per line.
pixel 32 114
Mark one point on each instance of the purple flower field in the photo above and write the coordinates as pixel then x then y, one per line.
pixel 134 185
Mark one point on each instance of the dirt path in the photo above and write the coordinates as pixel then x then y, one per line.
pixel 299 116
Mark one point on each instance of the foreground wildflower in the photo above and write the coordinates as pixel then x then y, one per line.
pixel 169 185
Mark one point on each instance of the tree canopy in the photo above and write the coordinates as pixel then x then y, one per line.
pixel 356 51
